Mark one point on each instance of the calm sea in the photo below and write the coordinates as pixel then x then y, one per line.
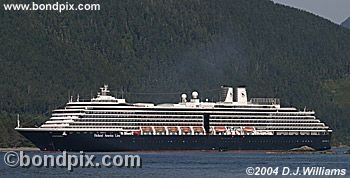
pixel 190 164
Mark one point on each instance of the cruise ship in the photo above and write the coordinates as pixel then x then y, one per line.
pixel 107 123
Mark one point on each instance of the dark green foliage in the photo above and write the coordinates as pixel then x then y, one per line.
pixel 8 136
pixel 172 46
pixel 339 89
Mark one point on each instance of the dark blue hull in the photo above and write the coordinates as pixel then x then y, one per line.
pixel 95 141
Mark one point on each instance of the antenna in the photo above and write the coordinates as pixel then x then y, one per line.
pixel 18 122
pixel 78 97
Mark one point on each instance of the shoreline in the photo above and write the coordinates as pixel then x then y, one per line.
pixel 342 146
pixel 37 149
pixel 19 149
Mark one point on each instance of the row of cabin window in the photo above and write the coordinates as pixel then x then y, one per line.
pixel 136 120
pixel 138 124
pixel 267 121
pixel 139 116
pixel 196 113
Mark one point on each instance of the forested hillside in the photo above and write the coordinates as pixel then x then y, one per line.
pixel 172 47
pixel 346 23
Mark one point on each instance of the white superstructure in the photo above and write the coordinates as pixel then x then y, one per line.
pixel 234 115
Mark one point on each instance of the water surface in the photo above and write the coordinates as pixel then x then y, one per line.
pixel 189 164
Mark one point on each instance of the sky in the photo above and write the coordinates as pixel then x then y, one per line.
pixel 335 10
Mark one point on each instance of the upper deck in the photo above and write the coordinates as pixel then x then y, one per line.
pixel 229 101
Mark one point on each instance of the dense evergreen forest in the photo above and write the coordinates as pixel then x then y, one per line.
pixel 170 47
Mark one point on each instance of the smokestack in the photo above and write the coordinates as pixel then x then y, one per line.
pixel 229 95
pixel 241 96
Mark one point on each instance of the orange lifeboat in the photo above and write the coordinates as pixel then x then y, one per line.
pixel 172 129
pixel 198 129
pixel 248 129
pixel 159 129
pixel 185 129
pixel 220 129
pixel 147 129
